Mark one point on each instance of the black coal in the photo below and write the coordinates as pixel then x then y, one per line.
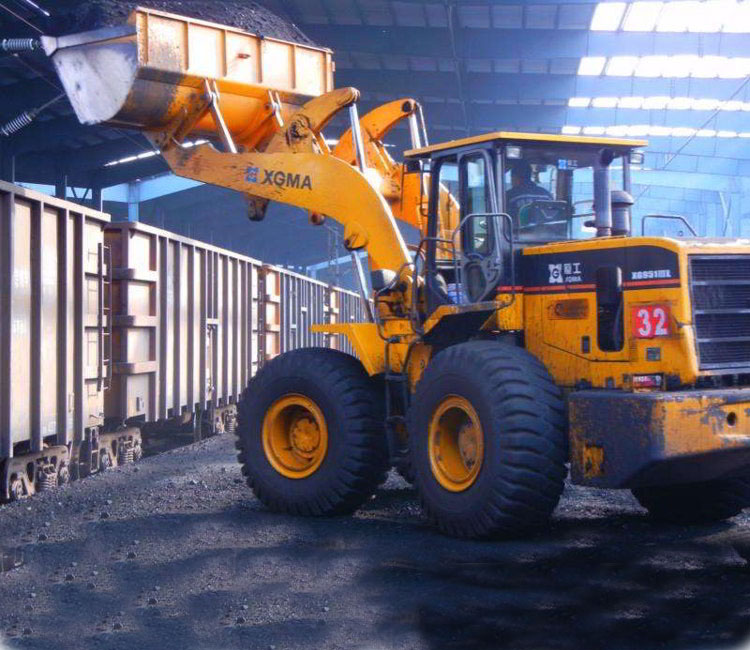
pixel 71 17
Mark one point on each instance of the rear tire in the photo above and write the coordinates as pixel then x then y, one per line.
pixel 310 433
pixel 695 503
pixel 508 477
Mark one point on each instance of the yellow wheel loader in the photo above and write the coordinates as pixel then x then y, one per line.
pixel 529 329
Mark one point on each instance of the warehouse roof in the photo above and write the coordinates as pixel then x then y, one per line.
pixel 476 66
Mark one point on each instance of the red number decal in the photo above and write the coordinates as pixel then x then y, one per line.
pixel 650 321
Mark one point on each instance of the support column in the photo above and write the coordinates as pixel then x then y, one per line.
pixel 96 197
pixel 61 186
pixel 134 198
pixel 7 163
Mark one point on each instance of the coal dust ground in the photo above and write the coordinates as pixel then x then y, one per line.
pixel 176 553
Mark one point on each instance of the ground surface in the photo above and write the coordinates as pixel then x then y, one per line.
pixel 176 553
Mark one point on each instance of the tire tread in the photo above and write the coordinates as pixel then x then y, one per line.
pixel 362 468
pixel 530 414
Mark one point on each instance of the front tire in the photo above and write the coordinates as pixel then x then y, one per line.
pixel 488 440
pixel 695 503
pixel 310 433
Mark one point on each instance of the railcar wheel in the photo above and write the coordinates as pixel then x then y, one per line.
pixel 310 433
pixel 488 441
pixel 17 491
pixel 63 475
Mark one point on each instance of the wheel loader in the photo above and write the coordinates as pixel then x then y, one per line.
pixel 529 334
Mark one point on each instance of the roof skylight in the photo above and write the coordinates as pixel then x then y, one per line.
pixel 659 102
pixel 591 65
pixel 650 130
pixel 668 67
pixel 607 16
pixel 698 16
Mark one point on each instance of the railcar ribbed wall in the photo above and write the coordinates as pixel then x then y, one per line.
pixel 193 323
pixel 53 321
pixel 108 323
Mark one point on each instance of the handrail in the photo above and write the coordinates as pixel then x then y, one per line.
pixel 675 217
pixel 493 215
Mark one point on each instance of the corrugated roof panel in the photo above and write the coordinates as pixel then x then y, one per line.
pixel 507 16
pixel 541 16
pixel 422 64
pixel 313 12
pixel 563 66
pixel 534 66
pixel 376 12
pixel 366 61
pixel 436 16
pixel 474 16
pixel 395 61
pixel 409 14
pixel 343 60
pixel 446 65
pixel 575 16
pixel 344 12
pixel 507 66
pixel 478 65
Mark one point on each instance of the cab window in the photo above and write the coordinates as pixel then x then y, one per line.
pixel 549 192
pixel 476 199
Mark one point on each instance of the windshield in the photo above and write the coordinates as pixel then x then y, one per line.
pixel 549 191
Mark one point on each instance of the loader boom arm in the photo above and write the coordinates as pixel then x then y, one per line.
pixel 406 192
pixel 318 182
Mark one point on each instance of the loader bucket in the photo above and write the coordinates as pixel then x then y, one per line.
pixel 143 74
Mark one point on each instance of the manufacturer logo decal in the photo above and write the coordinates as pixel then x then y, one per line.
pixel 570 273
pixel 278 178
pixel 555 273
pixel 251 175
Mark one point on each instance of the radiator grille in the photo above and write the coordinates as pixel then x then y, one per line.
pixel 720 286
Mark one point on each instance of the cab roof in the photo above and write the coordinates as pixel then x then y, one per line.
pixel 509 136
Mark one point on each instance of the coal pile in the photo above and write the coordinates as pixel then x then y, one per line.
pixel 72 17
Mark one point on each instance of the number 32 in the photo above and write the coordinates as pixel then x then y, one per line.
pixel 650 321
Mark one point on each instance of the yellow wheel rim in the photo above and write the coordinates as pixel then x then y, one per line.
pixel 456 444
pixel 295 436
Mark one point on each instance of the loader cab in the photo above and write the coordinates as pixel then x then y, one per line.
pixel 491 196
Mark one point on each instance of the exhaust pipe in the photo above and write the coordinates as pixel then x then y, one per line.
pixel 602 194
pixel 621 204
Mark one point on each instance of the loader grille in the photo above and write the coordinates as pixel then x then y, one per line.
pixel 720 286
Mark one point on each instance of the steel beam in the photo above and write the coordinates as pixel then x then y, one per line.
pixel 522 43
